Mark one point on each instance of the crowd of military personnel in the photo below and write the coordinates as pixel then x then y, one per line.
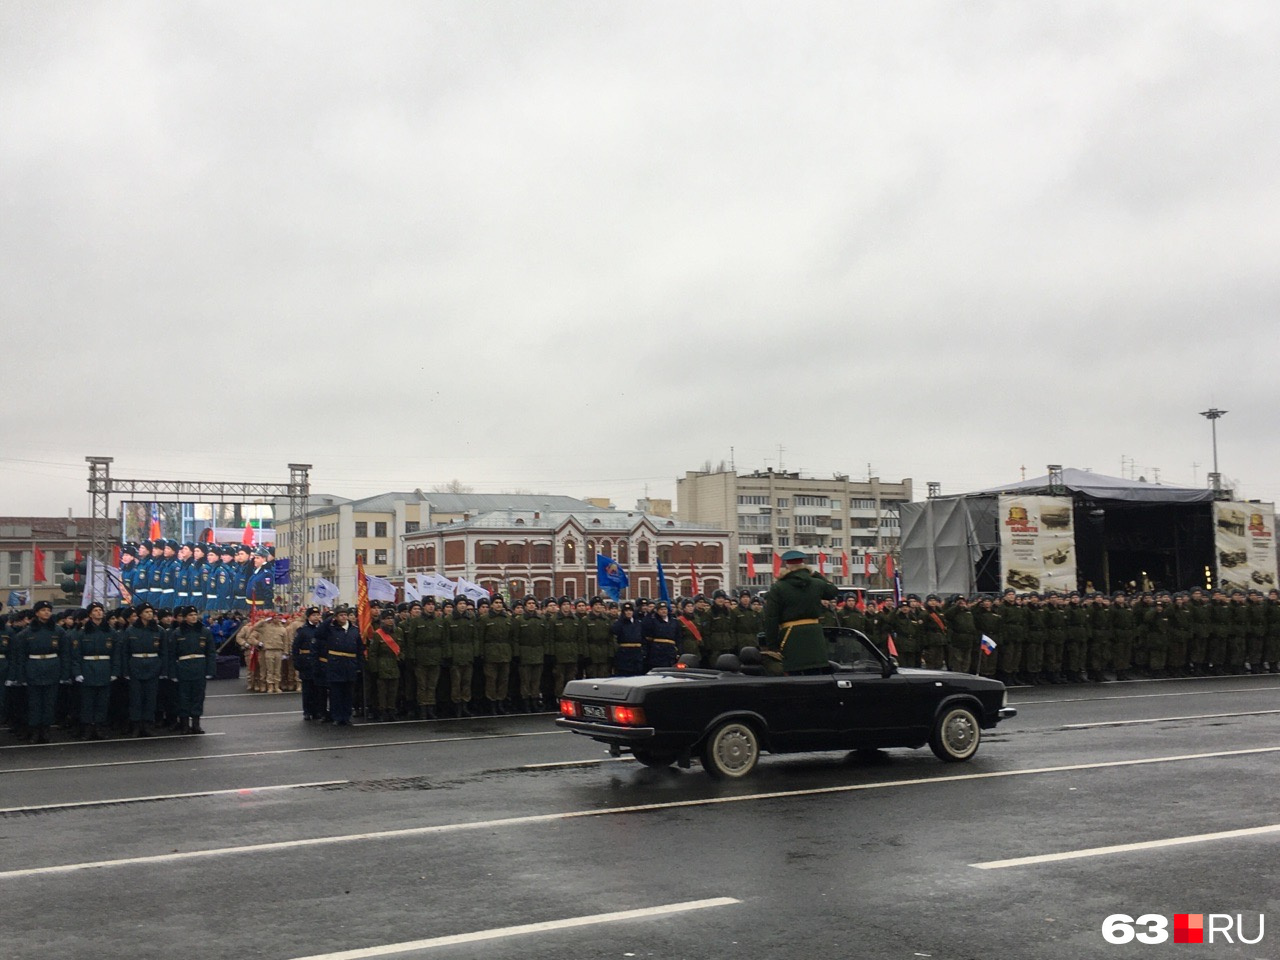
pixel 89 672
pixel 209 577
pixel 93 670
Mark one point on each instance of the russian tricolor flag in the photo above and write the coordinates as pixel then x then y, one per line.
pixel 988 645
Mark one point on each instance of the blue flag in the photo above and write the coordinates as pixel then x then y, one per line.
pixel 611 577
pixel 662 585
pixel 282 571
pixel 19 598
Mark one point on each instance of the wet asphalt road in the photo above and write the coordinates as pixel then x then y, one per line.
pixel 388 834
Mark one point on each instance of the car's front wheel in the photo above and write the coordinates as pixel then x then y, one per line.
pixel 956 734
pixel 731 751
pixel 651 758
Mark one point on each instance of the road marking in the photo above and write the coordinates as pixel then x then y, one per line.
pixel 1143 696
pixel 602 812
pixel 499 933
pixel 276 753
pixel 559 764
pixel 241 791
pixel 1197 716
pixel 297 715
pixel 1126 847
pixel 85 743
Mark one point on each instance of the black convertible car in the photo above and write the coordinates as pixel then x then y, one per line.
pixel 727 716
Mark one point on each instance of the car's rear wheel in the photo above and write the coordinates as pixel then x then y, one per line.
pixel 651 758
pixel 731 751
pixel 956 734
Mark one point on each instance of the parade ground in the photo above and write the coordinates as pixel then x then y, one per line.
pixel 506 837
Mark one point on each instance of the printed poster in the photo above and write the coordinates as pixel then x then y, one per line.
pixel 1037 544
pixel 1244 542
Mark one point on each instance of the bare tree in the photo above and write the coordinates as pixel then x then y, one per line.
pixel 453 486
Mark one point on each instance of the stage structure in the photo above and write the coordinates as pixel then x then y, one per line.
pixel 1077 530
pixel 103 487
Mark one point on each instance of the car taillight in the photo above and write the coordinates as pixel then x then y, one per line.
pixel 628 716
pixel 568 708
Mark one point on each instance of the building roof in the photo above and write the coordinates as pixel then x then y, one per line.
pixel 1101 487
pixel 54 528
pixel 474 503
pixel 617 521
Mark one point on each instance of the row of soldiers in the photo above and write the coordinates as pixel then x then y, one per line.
pixel 88 672
pixel 1074 637
pixel 209 577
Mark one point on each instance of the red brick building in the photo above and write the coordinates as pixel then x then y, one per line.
pixel 551 553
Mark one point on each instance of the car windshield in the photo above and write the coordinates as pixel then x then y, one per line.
pixel 848 647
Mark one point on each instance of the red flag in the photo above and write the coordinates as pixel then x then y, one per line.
pixel 844 564
pixel 822 563
pixel 693 577
pixel 866 565
pixel 38 554
pixel 893 650
pixel 751 566
pixel 207 535
pixel 247 537
pixel 888 567
pixel 115 555
pixel 364 614
pixel 777 565
pixel 154 533
pixel 862 603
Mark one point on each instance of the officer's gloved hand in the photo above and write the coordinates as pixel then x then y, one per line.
pixel 11 683
pixel 80 679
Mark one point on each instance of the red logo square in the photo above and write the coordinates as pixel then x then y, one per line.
pixel 1188 928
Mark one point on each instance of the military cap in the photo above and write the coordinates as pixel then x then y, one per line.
pixel 550 602
pixel 663 604
pixel 143 606
pixel 793 556
pixel 720 594
pixel 387 614
pixel 595 600
pixel 310 610
pixel 129 550
pixel 628 605
pixel 565 600
pixel 744 592
pixel 262 552
pixel 171 544
pixel 189 544
pixel 95 603
pixel 41 605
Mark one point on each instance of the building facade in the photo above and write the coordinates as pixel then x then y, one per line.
pixel 33 549
pixel 770 512
pixel 553 553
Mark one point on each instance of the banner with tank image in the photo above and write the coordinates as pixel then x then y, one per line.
pixel 1037 544
pixel 1245 545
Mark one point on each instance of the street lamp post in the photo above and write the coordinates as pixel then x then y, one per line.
pixel 1212 415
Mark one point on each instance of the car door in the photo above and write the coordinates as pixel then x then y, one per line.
pixel 879 711
pixel 802 711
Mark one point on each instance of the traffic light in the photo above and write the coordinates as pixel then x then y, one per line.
pixel 75 574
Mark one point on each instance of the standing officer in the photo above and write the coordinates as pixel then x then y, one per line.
pixel 383 663
pixel 224 577
pixel 599 642
pixel 128 571
pixel 342 649
pixel 660 634
pixel 167 570
pixel 791 611
pixel 95 662
pixel 532 643
pixel 41 654
pixel 747 622
pixel 962 631
pixel 934 635
pixel 464 650
pixel 259 586
pixel 428 647
pixel 142 662
pixel 303 654
pixel 193 662
pixel 198 578
pixel 242 568
pixel 567 642
pixel 183 573
pixel 496 650
pixel 628 633
pixel 142 575
pixel 719 631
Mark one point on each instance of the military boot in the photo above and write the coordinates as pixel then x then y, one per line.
pixel 195 725
pixel 41 735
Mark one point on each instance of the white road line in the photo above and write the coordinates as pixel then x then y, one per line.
pixel 111 802
pixel 443 828
pixel 1142 696
pixel 1197 716
pixel 90 743
pixel 499 933
pixel 1126 848
pixel 276 753
pixel 560 764
pixel 297 715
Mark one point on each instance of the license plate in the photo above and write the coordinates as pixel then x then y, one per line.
pixel 591 710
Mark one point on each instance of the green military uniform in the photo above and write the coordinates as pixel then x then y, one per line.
pixel 599 644
pixel 426 649
pixel 568 643
pixel 382 661
pixel 909 631
pixel 791 616
pixel 718 636
pixel 690 632
pixel 1271 646
pixel 1256 633
pixel 1123 636
pixel 533 640
pixel 962 633
pixel 747 624
pixel 1158 626
pixel 1101 636
pixel 464 648
pixel 496 650
pixel 934 635
pixel 1076 648
pixel 988 623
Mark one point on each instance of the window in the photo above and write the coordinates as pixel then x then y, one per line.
pixel 784 541
pixel 362 556
pixel 622 552
pixel 784 523
pixel 380 528
pixel 516 553
pixel 487 553
pixel 812 502
pixel 754 521
pixel 430 560
pixel 591 554
pixel 812 521
pixel 783 503
pixel 15 568
pixel 835 504
pixel 837 523
pixel 411 526
pixel 837 541
pixel 862 504
pixel 362 528
pixel 664 553
pixel 542 553
pixel 570 553
pixel 380 557
pixel 642 553
pixel 752 500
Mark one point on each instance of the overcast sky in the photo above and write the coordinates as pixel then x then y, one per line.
pixel 583 247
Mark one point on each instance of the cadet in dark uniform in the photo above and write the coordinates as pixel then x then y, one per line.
pixel 42 656
pixel 629 636
pixel 791 611
pixel 661 637
pixel 718 635
pixel 383 663
pixel 303 654
pixel 193 663
pixel 95 662
pixel 342 649
pixel 142 662
pixel 260 587
pixel 224 578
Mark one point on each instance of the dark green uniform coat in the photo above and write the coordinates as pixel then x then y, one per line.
pixel 798 595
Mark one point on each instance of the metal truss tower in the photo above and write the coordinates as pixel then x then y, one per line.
pixel 102 486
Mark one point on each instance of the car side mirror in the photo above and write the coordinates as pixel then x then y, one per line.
pixel 889 669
